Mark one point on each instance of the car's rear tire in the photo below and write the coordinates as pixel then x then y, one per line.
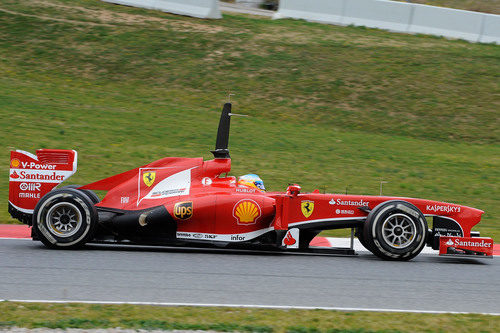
pixel 91 194
pixel 65 218
pixel 395 230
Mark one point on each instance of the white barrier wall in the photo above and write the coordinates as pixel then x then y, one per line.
pixel 389 15
pixel 491 29
pixel 195 8
pixel 327 11
pixel 446 22
pixel 397 16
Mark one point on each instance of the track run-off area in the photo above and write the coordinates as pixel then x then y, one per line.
pixel 182 276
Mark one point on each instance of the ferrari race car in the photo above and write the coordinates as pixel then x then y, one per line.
pixel 178 201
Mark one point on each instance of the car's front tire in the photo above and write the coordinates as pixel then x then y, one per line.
pixel 395 230
pixel 65 218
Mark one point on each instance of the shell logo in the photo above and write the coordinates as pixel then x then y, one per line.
pixel 246 212
pixel 15 163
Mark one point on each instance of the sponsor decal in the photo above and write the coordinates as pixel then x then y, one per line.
pixel 443 208
pixel 48 177
pixel 307 208
pixel 183 210
pixel 124 200
pixel 227 237
pixel 245 190
pixel 30 186
pixel 466 246
pixel 206 181
pixel 175 185
pixel 15 163
pixel 289 240
pixel 340 202
pixel 458 243
pixel 36 166
pixel 148 178
pixel 246 212
pixel 29 195
pixel 344 211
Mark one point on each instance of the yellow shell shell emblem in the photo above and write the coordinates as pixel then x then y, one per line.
pixel 149 178
pixel 307 207
pixel 246 211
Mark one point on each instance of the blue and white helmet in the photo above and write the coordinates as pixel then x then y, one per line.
pixel 251 180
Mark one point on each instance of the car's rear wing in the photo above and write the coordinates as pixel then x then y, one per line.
pixel 32 176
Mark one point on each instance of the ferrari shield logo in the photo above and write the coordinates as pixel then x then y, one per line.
pixel 307 208
pixel 149 178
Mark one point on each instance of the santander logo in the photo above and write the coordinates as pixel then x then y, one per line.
pixel 289 240
pixel 449 242
pixel 14 175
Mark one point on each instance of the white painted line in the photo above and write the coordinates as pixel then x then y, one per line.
pixel 284 307
pixel 28 239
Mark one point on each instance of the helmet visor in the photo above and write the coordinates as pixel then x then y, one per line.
pixel 260 185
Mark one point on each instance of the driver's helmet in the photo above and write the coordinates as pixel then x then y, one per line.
pixel 251 180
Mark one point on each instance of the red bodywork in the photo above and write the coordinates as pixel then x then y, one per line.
pixel 175 200
pixel 215 199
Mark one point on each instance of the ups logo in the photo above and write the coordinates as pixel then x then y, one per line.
pixel 183 210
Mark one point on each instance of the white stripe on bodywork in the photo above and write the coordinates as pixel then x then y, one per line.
pixel 27 211
pixel 223 237
pixel 325 220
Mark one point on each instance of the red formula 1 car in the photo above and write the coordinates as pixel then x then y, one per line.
pixel 190 202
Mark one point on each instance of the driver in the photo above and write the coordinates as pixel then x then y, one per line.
pixel 251 180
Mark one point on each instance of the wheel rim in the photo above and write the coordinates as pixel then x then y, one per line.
pixel 64 219
pixel 399 231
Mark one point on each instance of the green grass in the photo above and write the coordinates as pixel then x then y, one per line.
pixel 89 316
pixel 331 107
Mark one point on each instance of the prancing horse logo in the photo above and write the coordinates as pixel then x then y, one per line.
pixel 149 178
pixel 307 207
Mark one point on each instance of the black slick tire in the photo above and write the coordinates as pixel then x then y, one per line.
pixel 91 194
pixel 395 230
pixel 65 218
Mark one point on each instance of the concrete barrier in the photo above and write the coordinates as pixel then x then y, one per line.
pixel 195 8
pixel 390 15
pixel 325 11
pixel 397 16
pixel 446 22
pixel 491 29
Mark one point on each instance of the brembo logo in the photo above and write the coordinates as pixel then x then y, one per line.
pixel 446 209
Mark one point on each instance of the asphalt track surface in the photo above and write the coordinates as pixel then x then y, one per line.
pixel 99 273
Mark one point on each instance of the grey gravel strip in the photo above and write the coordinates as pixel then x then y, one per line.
pixel 100 330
